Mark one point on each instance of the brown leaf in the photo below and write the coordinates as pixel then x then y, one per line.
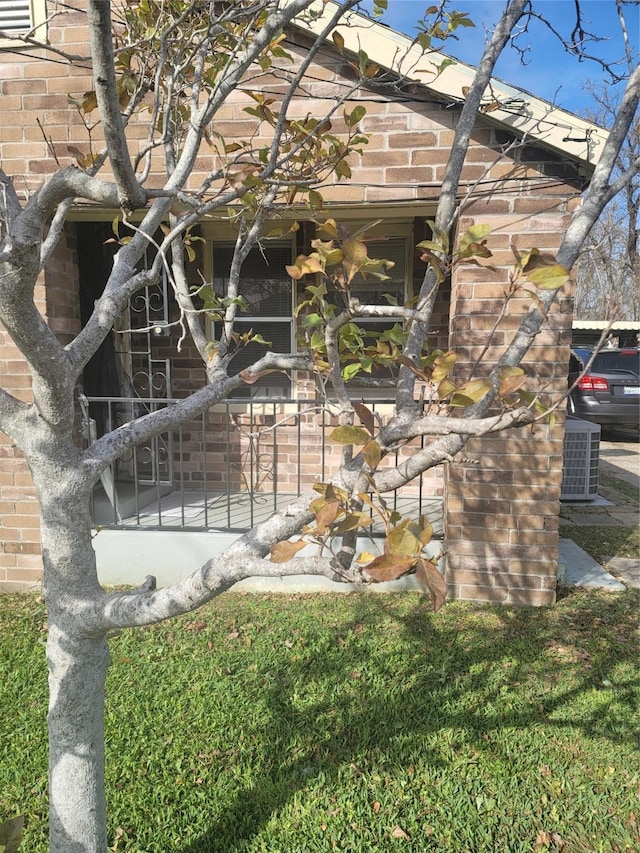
pixel 327 514
pixel 389 567
pixel 398 832
pixel 543 839
pixel 282 552
pixel 376 807
pixel 372 454
pixel 366 416
pixel 427 575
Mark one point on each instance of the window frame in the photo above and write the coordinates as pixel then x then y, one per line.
pixel 263 389
pixel 392 228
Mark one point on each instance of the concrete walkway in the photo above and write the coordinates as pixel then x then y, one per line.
pixel 613 508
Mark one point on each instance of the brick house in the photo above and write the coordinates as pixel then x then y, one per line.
pixel 497 509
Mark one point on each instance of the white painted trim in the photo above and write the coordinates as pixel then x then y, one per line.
pixel 38 17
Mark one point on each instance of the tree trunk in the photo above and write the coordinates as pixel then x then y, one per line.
pixel 77 652
pixel 77 672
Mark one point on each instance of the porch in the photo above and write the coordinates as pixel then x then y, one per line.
pixel 184 496
pixel 231 468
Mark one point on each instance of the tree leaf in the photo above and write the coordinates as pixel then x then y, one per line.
pixel 428 576
pixel 443 365
pixel 327 514
pixel 425 534
pixel 356 115
pixel 366 416
pixel 398 832
pixel 551 277
pixel 282 552
pixel 470 392
pixel 389 567
pixel 372 454
pixel 338 41
pixel 511 380
pixel 353 521
pixel 349 435
pixel 350 371
pixel 475 234
pixel 403 539
pixel 11 834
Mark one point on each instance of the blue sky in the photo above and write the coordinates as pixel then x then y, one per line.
pixel 550 73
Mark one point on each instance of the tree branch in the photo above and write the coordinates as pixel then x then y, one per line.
pixel 129 609
pixel 130 194
pixel 445 212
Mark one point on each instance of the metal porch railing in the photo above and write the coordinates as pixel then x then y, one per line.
pixel 228 469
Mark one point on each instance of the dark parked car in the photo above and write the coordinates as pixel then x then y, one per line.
pixel 609 392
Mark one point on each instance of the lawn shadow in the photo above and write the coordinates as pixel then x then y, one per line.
pixel 362 711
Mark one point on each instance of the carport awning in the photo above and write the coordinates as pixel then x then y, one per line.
pixel 600 325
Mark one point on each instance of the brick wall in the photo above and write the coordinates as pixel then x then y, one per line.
pixel 501 507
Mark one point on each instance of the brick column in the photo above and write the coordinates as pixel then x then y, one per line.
pixel 502 499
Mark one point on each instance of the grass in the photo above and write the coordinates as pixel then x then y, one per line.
pixel 613 486
pixel 603 541
pixel 359 723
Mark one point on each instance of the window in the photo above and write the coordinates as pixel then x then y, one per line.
pixel 269 293
pixel 271 296
pixel 374 292
pixel 21 16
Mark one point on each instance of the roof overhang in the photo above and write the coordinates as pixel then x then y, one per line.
pixel 515 109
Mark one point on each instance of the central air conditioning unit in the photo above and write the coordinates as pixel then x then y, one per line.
pixel 581 460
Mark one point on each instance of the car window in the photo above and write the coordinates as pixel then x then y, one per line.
pixel 575 365
pixel 617 362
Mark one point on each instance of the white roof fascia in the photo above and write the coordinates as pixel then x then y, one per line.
pixel 519 110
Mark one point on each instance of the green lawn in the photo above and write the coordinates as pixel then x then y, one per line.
pixel 356 723
pixel 603 542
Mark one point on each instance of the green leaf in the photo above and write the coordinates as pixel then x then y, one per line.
pixel 356 115
pixel 443 365
pixel 551 277
pixel 350 371
pixel 476 234
pixel 315 199
pixel 470 392
pixel 349 435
